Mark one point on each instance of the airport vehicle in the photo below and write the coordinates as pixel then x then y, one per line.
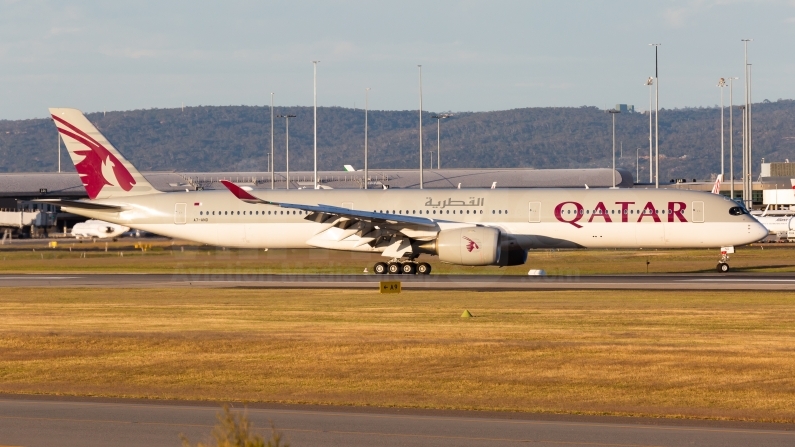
pixel 460 226
pixel 98 229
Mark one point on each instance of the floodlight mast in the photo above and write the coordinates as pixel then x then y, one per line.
pixel 271 160
pixel 731 134
pixel 439 118
pixel 421 173
pixel 650 82
pixel 614 112
pixel 366 106
pixel 721 85
pixel 747 201
pixel 287 145
pixel 314 63
pixel 656 118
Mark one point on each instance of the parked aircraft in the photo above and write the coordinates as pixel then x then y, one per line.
pixel 98 229
pixel 459 226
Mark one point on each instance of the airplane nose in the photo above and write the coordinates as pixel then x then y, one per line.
pixel 758 231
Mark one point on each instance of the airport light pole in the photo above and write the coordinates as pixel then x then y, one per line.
pixel 746 127
pixel 439 119
pixel 750 141
pixel 287 145
pixel 656 117
pixel 742 109
pixel 271 160
pixel 731 134
pixel 315 100
pixel 721 85
pixel 366 106
pixel 650 82
pixel 421 178
pixel 614 112
pixel 637 163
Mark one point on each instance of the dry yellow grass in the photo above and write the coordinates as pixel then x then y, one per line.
pixel 700 355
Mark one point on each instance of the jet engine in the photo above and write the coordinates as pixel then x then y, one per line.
pixel 469 246
pixel 511 253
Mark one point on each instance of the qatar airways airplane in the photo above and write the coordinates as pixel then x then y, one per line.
pixel 460 226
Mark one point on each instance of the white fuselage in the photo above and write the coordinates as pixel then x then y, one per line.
pixel 534 218
pixel 777 224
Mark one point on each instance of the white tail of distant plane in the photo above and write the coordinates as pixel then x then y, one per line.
pixel 716 186
pixel 102 169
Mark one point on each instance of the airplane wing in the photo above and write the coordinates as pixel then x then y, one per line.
pixel 394 233
pixel 82 204
pixel 247 197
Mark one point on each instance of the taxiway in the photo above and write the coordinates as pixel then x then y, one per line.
pixel 209 278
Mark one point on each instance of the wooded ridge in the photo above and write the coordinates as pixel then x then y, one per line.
pixel 237 138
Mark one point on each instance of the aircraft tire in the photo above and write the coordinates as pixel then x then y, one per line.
pixel 723 267
pixel 380 268
pixel 423 268
pixel 394 268
pixel 408 268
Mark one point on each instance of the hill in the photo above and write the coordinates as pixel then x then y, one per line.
pixel 233 138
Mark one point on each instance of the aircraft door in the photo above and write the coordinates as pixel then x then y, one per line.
pixel 180 213
pixel 698 212
pixel 535 212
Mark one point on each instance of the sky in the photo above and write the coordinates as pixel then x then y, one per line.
pixel 475 55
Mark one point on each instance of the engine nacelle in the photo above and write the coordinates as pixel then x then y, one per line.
pixel 469 246
pixel 511 253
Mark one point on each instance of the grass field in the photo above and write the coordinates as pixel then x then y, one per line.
pixel 690 355
pixel 179 256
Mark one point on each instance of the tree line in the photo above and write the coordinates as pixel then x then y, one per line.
pixel 238 138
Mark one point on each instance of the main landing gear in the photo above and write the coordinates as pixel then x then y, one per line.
pixel 405 267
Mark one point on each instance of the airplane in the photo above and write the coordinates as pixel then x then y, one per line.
pixel 98 229
pixel 474 227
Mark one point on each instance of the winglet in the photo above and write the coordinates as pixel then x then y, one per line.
pixel 241 193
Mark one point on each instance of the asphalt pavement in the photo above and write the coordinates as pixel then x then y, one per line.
pixel 45 422
pixel 208 278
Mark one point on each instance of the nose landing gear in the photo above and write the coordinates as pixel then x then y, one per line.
pixel 404 267
pixel 723 263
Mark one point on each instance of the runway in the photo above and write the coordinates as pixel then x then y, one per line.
pixel 207 278
pixel 44 422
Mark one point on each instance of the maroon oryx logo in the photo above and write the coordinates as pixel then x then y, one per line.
pixel 471 245
pixel 99 167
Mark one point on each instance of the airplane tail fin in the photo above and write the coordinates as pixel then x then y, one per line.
pixel 716 186
pixel 102 169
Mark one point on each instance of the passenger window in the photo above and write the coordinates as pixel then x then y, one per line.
pixel 506 211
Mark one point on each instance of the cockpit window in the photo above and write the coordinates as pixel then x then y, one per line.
pixel 737 211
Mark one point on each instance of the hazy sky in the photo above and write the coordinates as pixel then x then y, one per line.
pixel 476 55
